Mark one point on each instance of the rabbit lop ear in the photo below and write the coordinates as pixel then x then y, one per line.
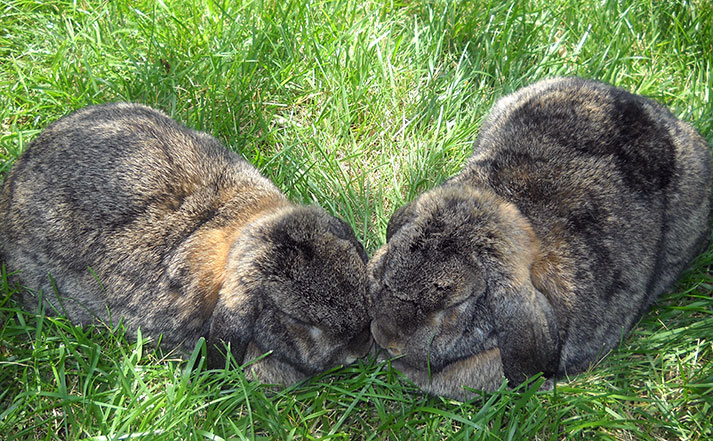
pixel 400 218
pixel 527 332
pixel 342 230
pixel 230 326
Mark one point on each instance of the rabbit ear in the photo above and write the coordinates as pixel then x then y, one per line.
pixel 342 230
pixel 527 332
pixel 400 217
pixel 233 326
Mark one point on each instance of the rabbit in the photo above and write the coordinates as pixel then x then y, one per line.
pixel 117 212
pixel 580 204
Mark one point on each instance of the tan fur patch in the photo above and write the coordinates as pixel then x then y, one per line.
pixel 551 272
pixel 211 259
pixel 212 247
pixel 524 247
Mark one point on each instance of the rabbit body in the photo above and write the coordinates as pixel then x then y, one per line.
pixel 579 206
pixel 118 212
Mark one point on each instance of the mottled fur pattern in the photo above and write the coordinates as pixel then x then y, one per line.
pixel 139 218
pixel 579 206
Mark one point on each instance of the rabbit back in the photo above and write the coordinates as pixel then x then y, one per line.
pixel 104 208
pixel 580 205
pixel 617 191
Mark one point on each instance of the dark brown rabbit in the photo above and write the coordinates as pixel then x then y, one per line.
pixel 118 212
pixel 580 205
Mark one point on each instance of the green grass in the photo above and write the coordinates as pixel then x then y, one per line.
pixel 356 105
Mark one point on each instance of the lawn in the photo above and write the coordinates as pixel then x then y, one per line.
pixel 356 105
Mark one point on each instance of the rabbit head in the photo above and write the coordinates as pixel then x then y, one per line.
pixel 295 288
pixel 451 296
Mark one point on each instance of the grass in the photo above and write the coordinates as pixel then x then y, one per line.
pixel 357 106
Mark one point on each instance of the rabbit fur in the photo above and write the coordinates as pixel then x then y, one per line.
pixel 118 212
pixel 580 205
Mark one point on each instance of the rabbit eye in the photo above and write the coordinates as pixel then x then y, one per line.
pixel 293 319
pixel 459 306
pixel 444 286
pixel 314 330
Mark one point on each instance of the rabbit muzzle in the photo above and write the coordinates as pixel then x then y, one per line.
pixel 359 346
pixel 387 339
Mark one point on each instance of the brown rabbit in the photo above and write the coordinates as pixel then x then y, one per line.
pixel 118 212
pixel 580 205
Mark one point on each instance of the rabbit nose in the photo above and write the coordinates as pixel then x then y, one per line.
pixel 385 339
pixel 360 345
